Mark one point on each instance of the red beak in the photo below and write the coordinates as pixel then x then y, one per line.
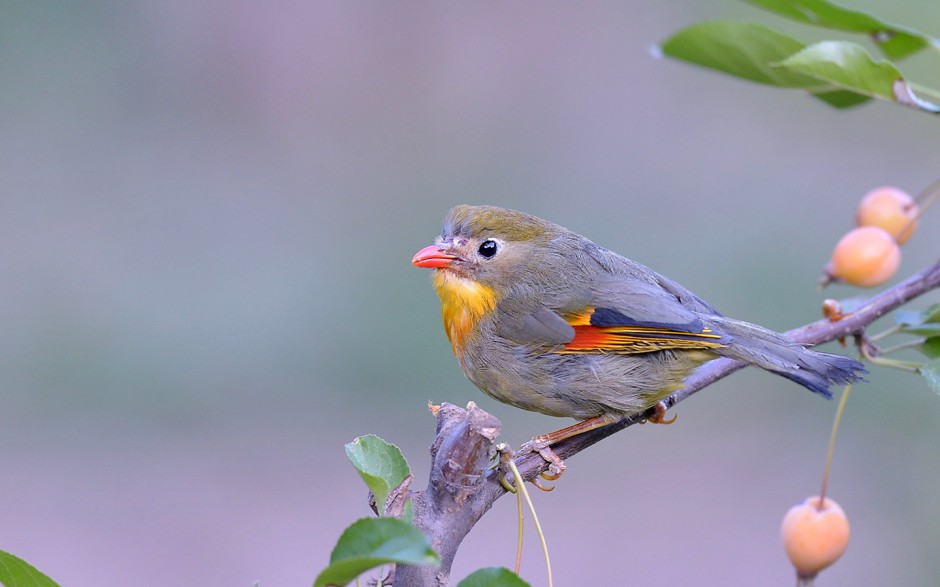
pixel 433 257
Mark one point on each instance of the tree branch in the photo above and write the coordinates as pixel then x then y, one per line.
pixel 463 485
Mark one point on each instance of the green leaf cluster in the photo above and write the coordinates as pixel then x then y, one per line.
pixel 840 73
pixel 372 542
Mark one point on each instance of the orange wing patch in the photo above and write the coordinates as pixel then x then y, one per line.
pixel 582 319
pixel 631 339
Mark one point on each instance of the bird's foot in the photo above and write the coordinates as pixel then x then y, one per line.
pixel 542 444
pixel 506 455
pixel 659 417
pixel 556 465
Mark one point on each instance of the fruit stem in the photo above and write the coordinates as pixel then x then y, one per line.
pixel 827 278
pixel 832 444
pixel 928 196
pixel 904 345
pixel 505 457
pixel 924 200
pixel 520 485
pixel 521 515
pixel 885 362
pixel 888 332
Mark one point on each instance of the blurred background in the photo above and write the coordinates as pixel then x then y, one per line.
pixel 207 213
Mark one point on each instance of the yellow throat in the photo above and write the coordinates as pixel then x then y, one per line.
pixel 463 303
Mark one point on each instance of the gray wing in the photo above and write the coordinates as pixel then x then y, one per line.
pixel 540 327
pixel 630 272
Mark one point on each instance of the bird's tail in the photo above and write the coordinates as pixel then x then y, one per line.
pixel 774 352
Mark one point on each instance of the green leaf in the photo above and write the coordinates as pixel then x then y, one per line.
pixel 493 577
pixel 851 67
pixel 380 464
pixel 742 49
pixel 894 41
pixel 931 314
pixel 846 64
pixel 841 98
pixel 931 372
pixel 372 542
pixel 15 572
pixel 931 347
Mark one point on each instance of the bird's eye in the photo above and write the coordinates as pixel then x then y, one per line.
pixel 488 248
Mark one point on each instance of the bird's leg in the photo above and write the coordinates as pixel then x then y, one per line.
pixel 542 443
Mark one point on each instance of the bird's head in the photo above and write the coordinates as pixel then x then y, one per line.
pixel 485 254
pixel 492 247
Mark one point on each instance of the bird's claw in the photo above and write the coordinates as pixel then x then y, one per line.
pixel 556 466
pixel 544 488
pixel 659 417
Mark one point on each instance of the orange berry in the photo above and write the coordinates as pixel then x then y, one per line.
pixel 815 538
pixel 866 256
pixel 891 209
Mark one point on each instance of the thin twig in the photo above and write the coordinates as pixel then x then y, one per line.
pixel 832 444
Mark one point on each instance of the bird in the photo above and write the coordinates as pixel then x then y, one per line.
pixel 543 319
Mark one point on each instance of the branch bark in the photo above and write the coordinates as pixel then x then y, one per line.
pixel 463 485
